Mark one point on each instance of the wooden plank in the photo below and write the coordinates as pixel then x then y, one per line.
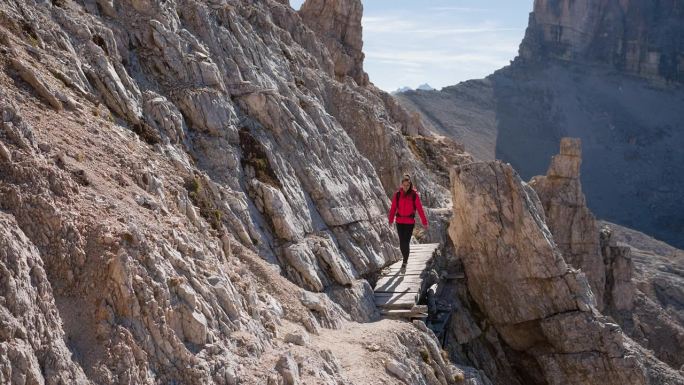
pixel 407 271
pixel 425 245
pixel 389 298
pixel 395 305
pixel 393 294
pixel 398 277
pixel 402 288
pixel 397 280
pixel 415 290
pixel 416 274
pixel 397 289
pixel 421 254
pixel 395 300
pixel 408 266
pixel 401 313
pixel 413 309
pixel 421 263
pixel 422 249
pixel 411 263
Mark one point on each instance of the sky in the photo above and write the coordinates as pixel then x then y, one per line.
pixel 439 42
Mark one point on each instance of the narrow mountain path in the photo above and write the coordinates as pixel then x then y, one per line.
pixel 398 290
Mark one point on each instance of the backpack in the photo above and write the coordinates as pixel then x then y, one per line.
pixel 396 199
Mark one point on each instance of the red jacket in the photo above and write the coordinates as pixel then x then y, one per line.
pixel 406 208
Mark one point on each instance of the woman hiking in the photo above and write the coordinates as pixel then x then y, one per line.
pixel 405 203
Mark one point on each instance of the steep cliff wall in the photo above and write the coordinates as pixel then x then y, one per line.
pixel 639 37
pixel 168 164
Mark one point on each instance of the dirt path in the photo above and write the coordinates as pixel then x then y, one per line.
pixel 364 349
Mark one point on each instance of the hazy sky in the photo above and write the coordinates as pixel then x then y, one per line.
pixel 440 42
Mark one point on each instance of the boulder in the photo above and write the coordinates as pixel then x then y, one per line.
pixel 516 274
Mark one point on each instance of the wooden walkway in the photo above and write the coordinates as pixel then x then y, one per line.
pixel 397 292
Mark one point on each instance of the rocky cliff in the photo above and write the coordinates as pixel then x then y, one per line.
pixel 196 192
pixel 530 314
pixel 608 72
pixel 165 165
pixel 619 287
pixel 572 224
pixel 638 37
pixel 539 307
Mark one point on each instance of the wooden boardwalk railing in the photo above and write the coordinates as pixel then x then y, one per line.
pixel 397 291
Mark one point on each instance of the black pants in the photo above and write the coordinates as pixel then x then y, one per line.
pixel 405 231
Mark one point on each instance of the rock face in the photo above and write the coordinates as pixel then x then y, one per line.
pixel 608 265
pixel 645 297
pixel 573 226
pixel 194 176
pixel 338 23
pixel 543 310
pixel 369 115
pixel 31 338
pixel 640 37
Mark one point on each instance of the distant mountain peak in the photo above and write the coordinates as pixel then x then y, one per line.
pixel 422 87
pixel 402 89
pixel 425 87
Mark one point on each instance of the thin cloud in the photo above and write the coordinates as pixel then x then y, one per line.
pixel 396 26
pixel 380 24
pixel 437 43
pixel 459 9
pixel 417 58
pixel 462 31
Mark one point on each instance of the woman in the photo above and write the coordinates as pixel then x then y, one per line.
pixel 405 203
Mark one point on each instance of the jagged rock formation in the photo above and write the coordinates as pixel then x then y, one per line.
pixel 570 221
pixel 608 266
pixel 606 72
pixel 542 310
pixel 338 24
pixel 646 297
